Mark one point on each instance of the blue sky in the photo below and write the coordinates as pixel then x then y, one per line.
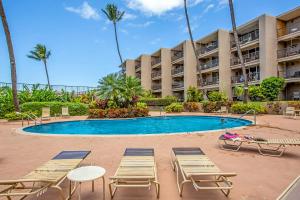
pixel 82 40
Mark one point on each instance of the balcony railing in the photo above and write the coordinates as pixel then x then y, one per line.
pixel 292 28
pixel 289 51
pixel 248 37
pixel 209 64
pixel 292 74
pixel 177 85
pixel 177 70
pixel 247 58
pixel 155 61
pixel 208 48
pixel 177 55
pixel 252 76
pixel 210 81
pixel 156 87
pixel 137 67
pixel 156 74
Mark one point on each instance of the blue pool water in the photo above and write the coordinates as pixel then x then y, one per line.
pixel 148 125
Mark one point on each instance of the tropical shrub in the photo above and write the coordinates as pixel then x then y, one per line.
pixel 141 105
pixel 6 101
pixel 18 116
pixel 75 109
pixel 217 96
pixel 119 113
pixel 238 91
pixel 271 87
pixel 241 108
pixel 295 104
pixel 255 93
pixel 275 107
pixel 194 94
pixel 121 91
pixel 213 106
pixel 174 107
pixel 159 101
pixel 192 106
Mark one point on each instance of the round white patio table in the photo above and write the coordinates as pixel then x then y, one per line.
pixel 86 174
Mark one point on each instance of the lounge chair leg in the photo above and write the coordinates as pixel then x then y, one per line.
pixel 232 147
pixel 277 151
pixel 157 187
pixel 112 191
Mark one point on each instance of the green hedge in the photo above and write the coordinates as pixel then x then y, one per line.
pixel 75 109
pixel 174 107
pixel 159 101
pixel 241 108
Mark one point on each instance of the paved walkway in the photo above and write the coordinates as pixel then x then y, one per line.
pixel 259 177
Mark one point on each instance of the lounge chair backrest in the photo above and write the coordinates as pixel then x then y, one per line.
pixel 46 112
pixel 290 110
pixel 139 152
pixel 188 151
pixel 223 109
pixel 65 111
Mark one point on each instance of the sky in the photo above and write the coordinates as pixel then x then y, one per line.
pixel 82 42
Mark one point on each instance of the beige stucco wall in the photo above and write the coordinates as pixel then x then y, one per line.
pixel 166 68
pixel 190 66
pixel 146 72
pixel 224 63
pixel 267 46
pixel 130 68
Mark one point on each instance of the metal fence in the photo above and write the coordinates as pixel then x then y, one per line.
pixel 78 90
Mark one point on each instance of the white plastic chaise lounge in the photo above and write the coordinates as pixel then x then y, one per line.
pixel 136 170
pixel 46 115
pixel 195 167
pixel 265 146
pixel 290 112
pixel 49 175
pixel 65 111
pixel 292 192
pixel 223 109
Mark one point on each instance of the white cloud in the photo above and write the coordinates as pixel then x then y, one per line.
pixel 155 41
pixel 142 25
pixel 158 7
pixel 208 8
pixel 124 31
pixel 86 11
pixel 128 16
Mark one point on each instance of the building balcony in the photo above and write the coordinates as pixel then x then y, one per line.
pixel 210 47
pixel 177 55
pixel 288 52
pixel 247 38
pixel 155 61
pixel 209 64
pixel 138 76
pixel 156 86
pixel 291 29
pixel 138 67
pixel 155 74
pixel 252 77
pixel 292 76
pixel 177 85
pixel 247 58
pixel 178 70
pixel 210 81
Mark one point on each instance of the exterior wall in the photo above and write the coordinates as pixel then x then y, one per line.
pixel 267 46
pixel 190 66
pixel 146 80
pixel 224 63
pixel 166 68
pixel 130 68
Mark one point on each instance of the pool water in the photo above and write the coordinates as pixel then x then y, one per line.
pixel 148 125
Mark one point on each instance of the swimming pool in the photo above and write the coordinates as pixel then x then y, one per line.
pixel 138 126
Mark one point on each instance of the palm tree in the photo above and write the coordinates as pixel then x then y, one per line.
pixel 192 40
pixel 40 53
pixel 114 15
pixel 239 51
pixel 13 67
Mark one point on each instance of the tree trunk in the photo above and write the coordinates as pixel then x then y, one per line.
pixel 193 44
pixel 46 70
pixel 239 51
pixel 117 42
pixel 11 58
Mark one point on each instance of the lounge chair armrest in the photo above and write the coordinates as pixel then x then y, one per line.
pixel 9 182
pixel 230 174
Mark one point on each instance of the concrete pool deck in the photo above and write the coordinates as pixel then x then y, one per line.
pixel 259 177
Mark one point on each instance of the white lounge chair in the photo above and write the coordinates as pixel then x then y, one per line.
pixel 290 112
pixel 46 113
pixel 65 111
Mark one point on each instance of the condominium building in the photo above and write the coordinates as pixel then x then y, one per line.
pixel 270 47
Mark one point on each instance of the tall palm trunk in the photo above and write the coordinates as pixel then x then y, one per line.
pixel 117 42
pixel 239 51
pixel 193 44
pixel 11 58
pixel 46 70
